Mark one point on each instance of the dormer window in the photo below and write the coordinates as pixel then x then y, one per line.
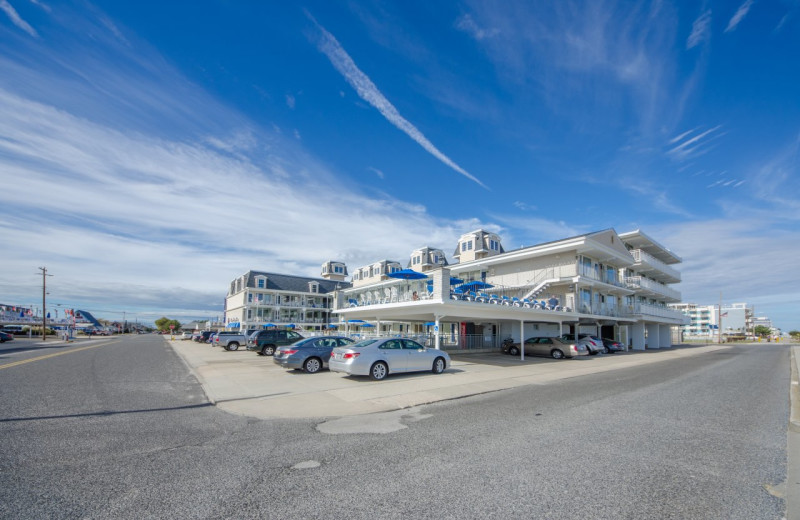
pixel 313 287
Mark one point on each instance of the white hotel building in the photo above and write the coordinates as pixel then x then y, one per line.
pixel 607 284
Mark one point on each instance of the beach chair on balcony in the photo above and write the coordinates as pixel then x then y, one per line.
pixel 526 303
pixel 537 304
pixel 471 296
pixel 505 300
pixel 352 302
pixel 516 302
pixel 457 294
pixel 482 297
pixel 493 298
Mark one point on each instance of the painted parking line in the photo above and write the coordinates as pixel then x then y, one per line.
pixel 40 358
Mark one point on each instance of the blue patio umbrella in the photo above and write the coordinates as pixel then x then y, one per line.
pixel 332 326
pixel 268 325
pixel 356 321
pixel 408 274
pixel 430 324
pixel 291 326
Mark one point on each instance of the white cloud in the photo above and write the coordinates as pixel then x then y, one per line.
pixel 738 257
pixel 694 145
pixel 367 90
pixel 290 101
pixel 153 218
pixel 739 15
pixel 467 24
pixel 377 172
pixel 16 19
pixel 701 30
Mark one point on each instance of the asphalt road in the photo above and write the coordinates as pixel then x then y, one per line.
pixel 123 430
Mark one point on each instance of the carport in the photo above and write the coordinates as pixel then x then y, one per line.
pixel 435 311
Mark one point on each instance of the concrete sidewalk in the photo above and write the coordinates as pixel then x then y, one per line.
pixel 245 383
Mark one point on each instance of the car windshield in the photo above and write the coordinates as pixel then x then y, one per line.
pixel 363 343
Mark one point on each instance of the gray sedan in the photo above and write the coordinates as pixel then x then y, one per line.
pixel 378 358
pixel 309 354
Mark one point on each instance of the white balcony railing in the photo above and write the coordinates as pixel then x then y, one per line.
pixel 642 257
pixel 640 282
pixel 645 309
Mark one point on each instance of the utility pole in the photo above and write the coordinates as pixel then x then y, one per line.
pixel 44 302
pixel 719 319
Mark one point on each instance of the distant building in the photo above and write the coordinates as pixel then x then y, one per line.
pixel 258 298
pixel 737 319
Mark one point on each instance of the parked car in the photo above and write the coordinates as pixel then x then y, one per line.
pixel 203 336
pixel 309 354
pixel 594 346
pixel 554 347
pixel 5 336
pixel 377 358
pixel 230 340
pixel 186 335
pixel 266 341
pixel 613 346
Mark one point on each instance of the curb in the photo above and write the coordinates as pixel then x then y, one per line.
pixel 792 488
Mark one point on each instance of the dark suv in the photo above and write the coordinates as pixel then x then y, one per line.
pixel 266 341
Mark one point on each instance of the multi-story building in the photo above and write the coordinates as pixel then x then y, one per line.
pixel 612 285
pixel 375 272
pixel 736 320
pixel 258 299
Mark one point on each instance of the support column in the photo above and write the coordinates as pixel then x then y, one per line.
pixel 637 336
pixel 665 331
pixel 522 340
pixel 653 336
pixel 436 343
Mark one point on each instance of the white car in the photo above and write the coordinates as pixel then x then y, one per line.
pixel 377 358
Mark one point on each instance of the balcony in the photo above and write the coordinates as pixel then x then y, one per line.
pixel 649 287
pixel 655 268
pixel 656 311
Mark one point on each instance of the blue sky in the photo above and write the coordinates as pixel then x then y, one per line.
pixel 153 151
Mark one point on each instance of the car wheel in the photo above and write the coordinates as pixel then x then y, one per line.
pixel 438 365
pixel 233 346
pixel 267 350
pixel 557 354
pixel 378 371
pixel 605 350
pixel 312 365
pixel 593 352
pixel 514 351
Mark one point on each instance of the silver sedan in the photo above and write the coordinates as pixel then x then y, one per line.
pixel 377 358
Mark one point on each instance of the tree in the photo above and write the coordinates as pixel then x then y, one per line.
pixel 163 323
pixel 762 330
pixel 795 334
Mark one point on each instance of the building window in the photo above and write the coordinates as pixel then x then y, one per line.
pixel 463 246
pixel 261 283
pixel 469 245
pixel 249 297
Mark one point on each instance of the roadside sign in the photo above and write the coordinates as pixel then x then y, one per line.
pixel 171 327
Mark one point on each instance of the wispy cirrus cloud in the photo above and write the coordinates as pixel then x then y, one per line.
pixel 739 15
pixel 16 19
pixel 701 30
pixel 690 144
pixel 370 93
pixel 466 23
pixel 129 203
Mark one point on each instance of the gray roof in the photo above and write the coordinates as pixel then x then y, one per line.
pixel 288 282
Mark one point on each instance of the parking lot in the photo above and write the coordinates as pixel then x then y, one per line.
pixel 245 383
